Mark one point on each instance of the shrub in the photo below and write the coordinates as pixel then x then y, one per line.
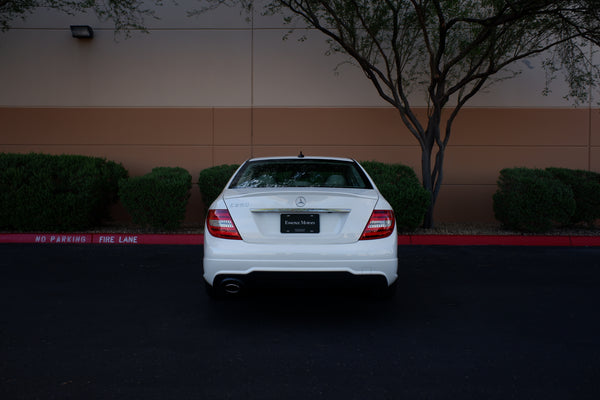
pixel 158 199
pixel 47 192
pixel 586 189
pixel 212 181
pixel 402 189
pixel 532 200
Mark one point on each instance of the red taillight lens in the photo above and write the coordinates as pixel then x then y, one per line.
pixel 220 224
pixel 380 225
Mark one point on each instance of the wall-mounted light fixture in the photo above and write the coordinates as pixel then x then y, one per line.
pixel 82 31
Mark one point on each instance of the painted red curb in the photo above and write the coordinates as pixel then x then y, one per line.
pixel 120 238
pixel 490 240
pixel 53 238
pixel 198 239
pixel 404 239
pixel 102 238
pixel 585 240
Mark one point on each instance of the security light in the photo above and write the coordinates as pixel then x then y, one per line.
pixel 82 31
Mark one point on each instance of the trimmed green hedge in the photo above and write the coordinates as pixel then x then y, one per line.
pixel 158 199
pixel 213 180
pixel 586 191
pixel 532 200
pixel 402 189
pixel 47 192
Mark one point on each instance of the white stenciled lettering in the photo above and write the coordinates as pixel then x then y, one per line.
pixel 128 239
pixel 106 239
pixel 61 239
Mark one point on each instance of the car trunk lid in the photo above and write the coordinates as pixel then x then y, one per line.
pixel 315 215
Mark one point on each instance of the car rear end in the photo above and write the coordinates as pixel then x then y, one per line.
pixel 288 218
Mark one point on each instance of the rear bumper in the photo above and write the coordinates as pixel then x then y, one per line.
pixel 303 280
pixel 362 260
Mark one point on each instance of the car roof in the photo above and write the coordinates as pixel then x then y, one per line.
pixel 302 158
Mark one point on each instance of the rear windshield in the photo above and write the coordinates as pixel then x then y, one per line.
pixel 300 173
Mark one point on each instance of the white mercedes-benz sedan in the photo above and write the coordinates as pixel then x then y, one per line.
pixel 306 219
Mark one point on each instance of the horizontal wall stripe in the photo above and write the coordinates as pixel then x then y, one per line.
pixel 197 138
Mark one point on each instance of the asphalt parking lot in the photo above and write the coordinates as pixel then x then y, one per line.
pixel 133 322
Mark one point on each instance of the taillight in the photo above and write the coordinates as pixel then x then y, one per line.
pixel 380 225
pixel 220 224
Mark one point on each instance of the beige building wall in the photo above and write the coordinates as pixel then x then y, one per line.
pixel 198 92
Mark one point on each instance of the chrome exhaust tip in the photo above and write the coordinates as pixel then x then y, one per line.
pixel 232 286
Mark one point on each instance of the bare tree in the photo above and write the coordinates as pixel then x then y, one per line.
pixel 447 51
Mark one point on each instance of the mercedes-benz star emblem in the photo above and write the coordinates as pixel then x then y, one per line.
pixel 300 201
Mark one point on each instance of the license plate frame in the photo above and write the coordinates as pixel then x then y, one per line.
pixel 300 223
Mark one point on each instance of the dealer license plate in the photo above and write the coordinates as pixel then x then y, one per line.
pixel 300 223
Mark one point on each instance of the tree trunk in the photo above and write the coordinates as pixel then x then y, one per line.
pixel 428 184
pixel 431 177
